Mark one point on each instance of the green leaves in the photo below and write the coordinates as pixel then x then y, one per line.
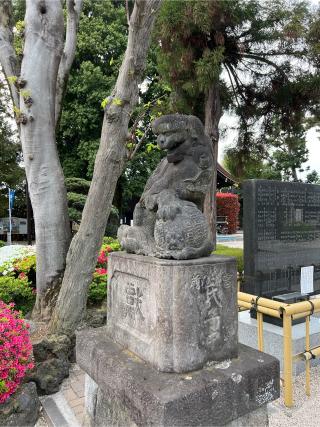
pixel 151 147
pixel 112 101
pixel 102 41
pixel 18 291
pixel 117 101
pixel 25 93
pixel 12 79
pixel 208 68
pixel 105 102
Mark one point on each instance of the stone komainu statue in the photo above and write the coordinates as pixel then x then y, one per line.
pixel 168 221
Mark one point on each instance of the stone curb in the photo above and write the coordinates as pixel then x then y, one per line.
pixel 57 411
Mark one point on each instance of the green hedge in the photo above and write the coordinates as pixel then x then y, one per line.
pixel 77 185
pixel 18 291
pixel 236 252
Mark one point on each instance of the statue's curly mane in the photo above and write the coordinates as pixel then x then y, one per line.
pixel 168 220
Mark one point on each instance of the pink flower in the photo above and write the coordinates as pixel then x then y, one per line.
pixel 22 276
pixel 15 350
pixel 103 257
pixel 101 271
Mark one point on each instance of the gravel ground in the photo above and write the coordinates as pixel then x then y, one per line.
pixel 306 410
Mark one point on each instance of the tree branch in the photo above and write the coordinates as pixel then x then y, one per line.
pixel 253 71
pixel 8 57
pixel 233 88
pixel 266 61
pixel 74 8
pixel 109 164
pixel 237 81
pixel 127 12
pixel 139 143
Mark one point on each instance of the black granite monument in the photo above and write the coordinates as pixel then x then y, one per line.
pixel 281 235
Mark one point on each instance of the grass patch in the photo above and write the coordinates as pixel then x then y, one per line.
pixel 236 252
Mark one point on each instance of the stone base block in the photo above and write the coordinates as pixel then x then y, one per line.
pixel 124 390
pixel 176 315
pixel 273 338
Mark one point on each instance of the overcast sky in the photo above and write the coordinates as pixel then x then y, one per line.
pixel 228 135
pixel 229 138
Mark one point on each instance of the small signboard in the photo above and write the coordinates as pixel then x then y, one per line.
pixel 306 281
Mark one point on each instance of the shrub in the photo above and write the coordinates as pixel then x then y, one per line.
pixel 18 276
pixel 112 243
pixel 76 201
pixel 77 185
pixel 2 243
pixel 27 266
pixel 228 205
pixel 98 287
pixel 15 351
pixel 77 190
pixel 11 266
pixel 236 252
pixel 7 269
pixel 17 291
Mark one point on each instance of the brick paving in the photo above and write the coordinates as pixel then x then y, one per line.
pixel 73 391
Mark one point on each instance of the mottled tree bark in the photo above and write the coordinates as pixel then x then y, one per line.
pixel 109 164
pixel 74 8
pixel 44 37
pixel 37 95
pixel 9 62
pixel 213 113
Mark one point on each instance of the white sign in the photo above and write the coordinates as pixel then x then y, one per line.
pixel 306 281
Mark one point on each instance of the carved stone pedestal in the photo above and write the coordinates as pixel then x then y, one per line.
pixel 176 315
pixel 169 355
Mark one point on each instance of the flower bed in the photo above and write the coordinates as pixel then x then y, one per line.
pixel 18 277
pixel 98 287
pixel 15 350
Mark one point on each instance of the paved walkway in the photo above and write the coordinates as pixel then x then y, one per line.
pixel 66 408
pixel 73 391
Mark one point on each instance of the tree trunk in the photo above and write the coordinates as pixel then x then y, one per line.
pixel 42 53
pixel 8 59
pixel 109 164
pixel 212 117
pixel 74 8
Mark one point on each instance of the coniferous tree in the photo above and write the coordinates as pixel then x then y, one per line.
pixel 250 57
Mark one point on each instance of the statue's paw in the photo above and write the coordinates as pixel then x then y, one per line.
pixel 122 233
pixel 130 245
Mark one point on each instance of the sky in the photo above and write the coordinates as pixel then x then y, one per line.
pixel 229 136
pixel 313 145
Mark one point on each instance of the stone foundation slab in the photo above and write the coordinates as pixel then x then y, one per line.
pixel 125 390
